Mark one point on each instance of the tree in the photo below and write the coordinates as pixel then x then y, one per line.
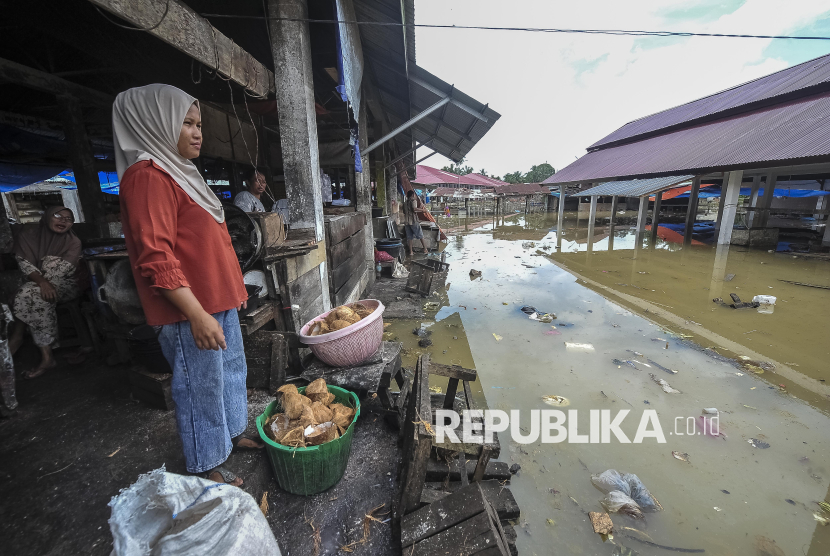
pixel 513 177
pixel 539 173
pixel 458 168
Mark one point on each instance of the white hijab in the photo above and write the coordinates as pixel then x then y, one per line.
pixel 146 123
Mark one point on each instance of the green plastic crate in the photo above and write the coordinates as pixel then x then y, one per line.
pixel 314 469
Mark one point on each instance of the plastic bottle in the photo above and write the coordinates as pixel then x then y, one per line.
pixel 377 270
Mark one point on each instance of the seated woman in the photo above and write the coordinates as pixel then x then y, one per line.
pixel 49 254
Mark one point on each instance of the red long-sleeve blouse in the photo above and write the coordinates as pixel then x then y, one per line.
pixel 172 243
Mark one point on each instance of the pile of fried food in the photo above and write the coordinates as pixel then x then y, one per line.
pixel 308 419
pixel 341 317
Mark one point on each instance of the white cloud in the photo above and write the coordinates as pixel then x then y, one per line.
pixel 558 93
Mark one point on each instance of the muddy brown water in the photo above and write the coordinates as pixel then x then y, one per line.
pixel 731 497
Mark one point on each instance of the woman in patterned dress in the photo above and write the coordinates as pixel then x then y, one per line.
pixel 49 254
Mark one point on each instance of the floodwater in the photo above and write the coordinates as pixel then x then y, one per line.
pixel 734 495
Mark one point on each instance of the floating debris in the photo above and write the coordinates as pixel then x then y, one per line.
pixel 431 306
pixel 497 337
pixel 760 444
pixel 556 400
pixel 585 348
pixel 682 456
pixel 664 385
pixel 601 522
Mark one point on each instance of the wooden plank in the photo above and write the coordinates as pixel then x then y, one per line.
pixel 182 28
pixel 342 295
pixel 453 371
pixel 465 539
pixel 341 227
pixel 342 274
pixel 279 363
pixel 343 251
pixel 256 319
pixel 460 465
pixel 438 471
pixel 501 498
pixel 92 200
pixel 258 352
pixel 417 440
pixel 449 396
pixel 441 515
pixel 495 524
pixel 481 464
pixel 304 290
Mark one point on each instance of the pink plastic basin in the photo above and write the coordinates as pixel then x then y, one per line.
pixel 351 345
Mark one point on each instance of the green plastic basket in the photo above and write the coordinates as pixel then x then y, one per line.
pixel 314 469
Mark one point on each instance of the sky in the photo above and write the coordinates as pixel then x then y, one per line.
pixel 559 93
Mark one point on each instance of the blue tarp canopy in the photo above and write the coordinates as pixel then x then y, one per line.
pixel 714 191
pixel 64 180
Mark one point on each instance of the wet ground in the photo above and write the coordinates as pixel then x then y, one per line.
pixel 751 490
pixel 78 438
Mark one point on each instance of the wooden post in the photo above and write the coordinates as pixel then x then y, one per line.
pixel 730 206
pixel 380 180
pixel 363 184
pixel 560 221
pixel 655 217
pixel 83 163
pixel 691 211
pixel 298 121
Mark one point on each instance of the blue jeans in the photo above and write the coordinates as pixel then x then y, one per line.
pixel 209 391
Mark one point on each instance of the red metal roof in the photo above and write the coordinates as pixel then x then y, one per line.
pixel 793 132
pixel 425 175
pixel 808 78
pixel 521 189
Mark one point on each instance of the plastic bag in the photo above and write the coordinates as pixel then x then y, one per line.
pixel 629 485
pixel 167 514
pixel 618 501
pixel 399 271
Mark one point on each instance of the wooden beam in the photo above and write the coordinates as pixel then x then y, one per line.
pixel 182 28
pixel 83 163
pixel 12 72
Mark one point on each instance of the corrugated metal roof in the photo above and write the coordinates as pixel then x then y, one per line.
pixel 806 78
pixel 426 175
pixel 521 189
pixel 454 131
pixel 789 133
pixel 635 188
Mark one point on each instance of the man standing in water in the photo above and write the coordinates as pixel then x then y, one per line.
pixel 251 200
pixel 411 222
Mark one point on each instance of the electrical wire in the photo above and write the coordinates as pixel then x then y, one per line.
pixel 128 28
pixel 622 32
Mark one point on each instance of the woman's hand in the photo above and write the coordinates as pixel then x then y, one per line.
pixel 207 332
pixel 243 305
pixel 48 291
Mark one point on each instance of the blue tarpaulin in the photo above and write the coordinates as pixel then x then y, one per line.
pixel 714 191
pixel 64 180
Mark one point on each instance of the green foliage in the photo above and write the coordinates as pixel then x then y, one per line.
pixel 538 173
pixel 458 168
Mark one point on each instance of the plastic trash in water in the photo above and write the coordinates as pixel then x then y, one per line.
pixel 584 348
pixel 767 303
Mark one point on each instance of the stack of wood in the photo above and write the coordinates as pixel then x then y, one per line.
pixel 440 475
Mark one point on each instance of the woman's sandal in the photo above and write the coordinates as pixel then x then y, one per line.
pixel 228 476
pixel 235 441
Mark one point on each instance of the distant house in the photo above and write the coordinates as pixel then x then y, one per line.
pixel 432 179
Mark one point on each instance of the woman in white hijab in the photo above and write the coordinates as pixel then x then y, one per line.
pixel 185 269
